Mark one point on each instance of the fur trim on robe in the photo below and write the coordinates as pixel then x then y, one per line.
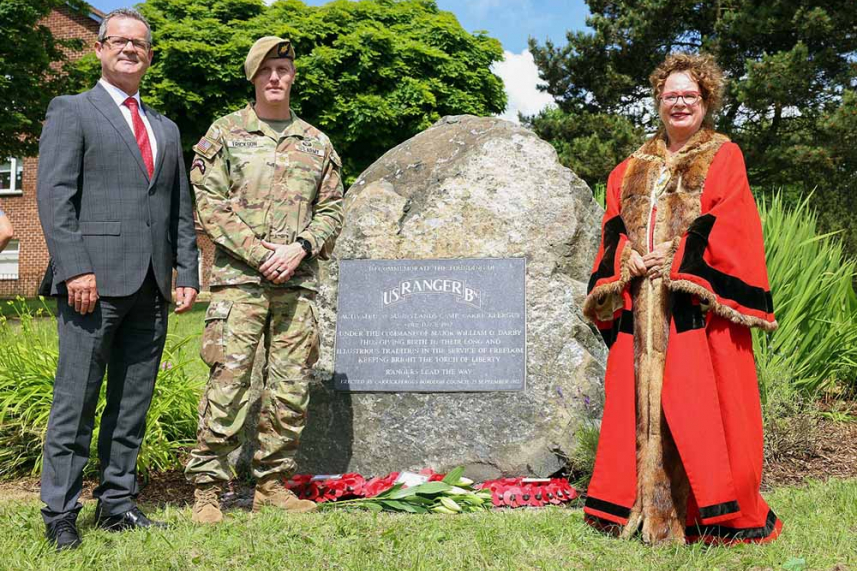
pixel 666 457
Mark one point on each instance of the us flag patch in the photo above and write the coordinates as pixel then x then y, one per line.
pixel 207 147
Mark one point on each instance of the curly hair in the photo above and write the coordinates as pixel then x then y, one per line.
pixel 703 69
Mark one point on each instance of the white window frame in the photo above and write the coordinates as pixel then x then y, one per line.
pixel 13 178
pixel 10 261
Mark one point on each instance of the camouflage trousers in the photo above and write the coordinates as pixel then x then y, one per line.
pixel 238 318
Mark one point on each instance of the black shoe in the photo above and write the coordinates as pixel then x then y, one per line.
pixel 63 533
pixel 132 519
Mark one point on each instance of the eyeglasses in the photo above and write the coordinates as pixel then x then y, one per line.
pixel 690 98
pixel 119 42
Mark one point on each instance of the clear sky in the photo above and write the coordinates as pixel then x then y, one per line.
pixel 511 22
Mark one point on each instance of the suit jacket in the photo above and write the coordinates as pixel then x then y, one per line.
pixel 100 211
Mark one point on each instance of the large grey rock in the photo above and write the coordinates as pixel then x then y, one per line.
pixel 469 187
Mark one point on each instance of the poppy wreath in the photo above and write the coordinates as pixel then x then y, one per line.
pixel 505 492
pixel 521 492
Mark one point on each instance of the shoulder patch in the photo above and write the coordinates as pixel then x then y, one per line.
pixel 334 157
pixel 198 163
pixel 207 147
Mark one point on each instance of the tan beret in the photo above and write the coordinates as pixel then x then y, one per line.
pixel 267 47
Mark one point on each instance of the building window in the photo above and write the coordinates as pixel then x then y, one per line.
pixel 12 176
pixel 9 261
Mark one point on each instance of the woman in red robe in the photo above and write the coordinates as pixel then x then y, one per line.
pixel 679 279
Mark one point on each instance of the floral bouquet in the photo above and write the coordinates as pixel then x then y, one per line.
pixel 428 492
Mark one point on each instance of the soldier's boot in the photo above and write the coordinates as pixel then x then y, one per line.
pixel 206 505
pixel 270 491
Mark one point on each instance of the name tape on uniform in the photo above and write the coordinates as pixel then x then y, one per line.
pixel 311 150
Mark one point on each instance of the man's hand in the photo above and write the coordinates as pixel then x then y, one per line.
pixel 82 293
pixel 185 297
pixel 654 260
pixel 282 263
pixel 636 264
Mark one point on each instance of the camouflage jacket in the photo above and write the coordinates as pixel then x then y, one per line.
pixel 252 184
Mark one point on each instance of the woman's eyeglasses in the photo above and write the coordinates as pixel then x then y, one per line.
pixel 690 98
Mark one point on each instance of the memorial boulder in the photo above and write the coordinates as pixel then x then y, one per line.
pixel 478 189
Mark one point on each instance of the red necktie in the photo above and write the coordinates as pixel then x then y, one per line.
pixel 141 135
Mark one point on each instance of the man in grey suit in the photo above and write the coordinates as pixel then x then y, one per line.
pixel 116 211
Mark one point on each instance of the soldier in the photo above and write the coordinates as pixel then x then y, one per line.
pixel 269 194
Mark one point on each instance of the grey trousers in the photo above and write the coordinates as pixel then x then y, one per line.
pixel 126 336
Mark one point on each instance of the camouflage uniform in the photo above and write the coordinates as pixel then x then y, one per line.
pixel 253 184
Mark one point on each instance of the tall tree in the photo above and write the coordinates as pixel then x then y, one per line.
pixel 31 71
pixel 370 74
pixel 791 101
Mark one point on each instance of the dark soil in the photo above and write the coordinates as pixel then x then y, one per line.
pixel 835 456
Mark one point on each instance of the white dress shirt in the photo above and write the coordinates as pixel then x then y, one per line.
pixel 119 97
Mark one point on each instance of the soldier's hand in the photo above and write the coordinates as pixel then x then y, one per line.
pixel 283 261
pixel 82 293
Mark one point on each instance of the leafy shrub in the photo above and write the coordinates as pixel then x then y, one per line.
pixel 790 419
pixel 599 192
pixel 581 462
pixel 814 301
pixel 27 368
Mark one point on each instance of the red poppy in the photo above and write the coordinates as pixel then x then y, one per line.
pixel 376 485
pixel 353 484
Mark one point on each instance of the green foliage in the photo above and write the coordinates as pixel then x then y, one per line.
pixel 32 71
pixel 599 192
pixel 791 101
pixel 814 301
pixel 370 74
pixel 454 494
pixel 581 463
pixel 789 417
pixel 591 144
pixel 172 419
pixel 27 368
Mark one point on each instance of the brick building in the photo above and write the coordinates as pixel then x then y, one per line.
pixel 23 262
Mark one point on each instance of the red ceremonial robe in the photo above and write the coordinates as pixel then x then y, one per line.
pixel 680 451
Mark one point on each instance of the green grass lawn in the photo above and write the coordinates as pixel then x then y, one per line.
pixel 820 533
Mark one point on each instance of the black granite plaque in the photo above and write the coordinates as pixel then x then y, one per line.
pixel 431 325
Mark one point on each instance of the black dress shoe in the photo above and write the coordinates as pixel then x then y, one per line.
pixel 132 519
pixel 63 533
